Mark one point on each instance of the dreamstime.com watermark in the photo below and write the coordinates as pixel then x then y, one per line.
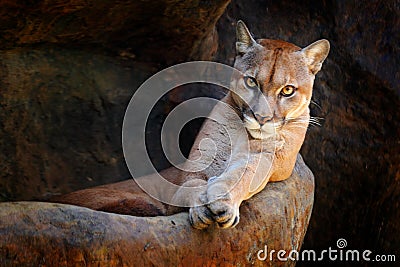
pixel 338 253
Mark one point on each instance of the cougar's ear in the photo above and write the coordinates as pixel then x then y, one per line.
pixel 315 54
pixel 243 38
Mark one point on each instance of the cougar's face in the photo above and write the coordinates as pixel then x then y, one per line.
pixel 274 89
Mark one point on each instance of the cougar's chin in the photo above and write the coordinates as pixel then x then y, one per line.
pixel 260 133
pixel 256 134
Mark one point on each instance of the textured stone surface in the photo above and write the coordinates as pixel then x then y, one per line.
pixel 60 118
pixel 165 31
pixel 34 233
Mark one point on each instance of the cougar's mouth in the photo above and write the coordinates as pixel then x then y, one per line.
pixel 258 131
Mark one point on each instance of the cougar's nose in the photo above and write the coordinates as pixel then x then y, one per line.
pixel 262 119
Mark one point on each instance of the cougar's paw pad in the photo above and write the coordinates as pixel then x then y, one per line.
pixel 200 217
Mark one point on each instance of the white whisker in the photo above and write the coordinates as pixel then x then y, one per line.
pixel 305 123
pixel 315 103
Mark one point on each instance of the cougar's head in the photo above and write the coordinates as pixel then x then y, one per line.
pixel 276 81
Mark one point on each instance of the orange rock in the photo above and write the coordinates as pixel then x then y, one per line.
pixel 36 233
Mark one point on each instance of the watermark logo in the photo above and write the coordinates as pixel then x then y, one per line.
pixel 341 243
pixel 340 253
pixel 144 100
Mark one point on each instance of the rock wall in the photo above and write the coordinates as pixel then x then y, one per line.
pixel 67 72
pixel 164 31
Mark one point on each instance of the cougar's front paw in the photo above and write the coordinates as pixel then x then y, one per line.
pixel 224 212
pixel 200 217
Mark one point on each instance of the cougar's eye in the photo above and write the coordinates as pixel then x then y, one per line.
pixel 288 90
pixel 250 82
